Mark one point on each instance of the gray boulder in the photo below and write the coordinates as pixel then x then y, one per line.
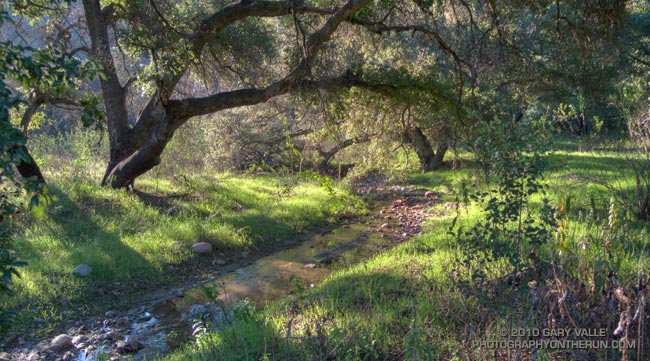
pixel 202 248
pixel 82 270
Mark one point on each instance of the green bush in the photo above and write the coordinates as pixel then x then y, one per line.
pixel 511 153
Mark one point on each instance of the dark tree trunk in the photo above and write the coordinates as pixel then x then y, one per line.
pixel 29 169
pixel 430 160
pixel 145 157
pixel 113 93
pixel 26 165
pixel 135 150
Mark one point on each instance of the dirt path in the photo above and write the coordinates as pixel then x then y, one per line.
pixel 162 321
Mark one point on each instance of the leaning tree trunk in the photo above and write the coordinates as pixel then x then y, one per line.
pixel 133 150
pixel 28 168
pixel 137 149
pixel 430 160
pixel 328 155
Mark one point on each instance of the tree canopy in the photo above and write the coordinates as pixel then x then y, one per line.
pixel 425 72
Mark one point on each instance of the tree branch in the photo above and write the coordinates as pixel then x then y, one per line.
pixel 328 155
pixel 36 102
pixel 163 116
pixel 181 110
pixel 234 12
pixel 164 20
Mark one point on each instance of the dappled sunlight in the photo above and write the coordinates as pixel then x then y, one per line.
pixel 134 239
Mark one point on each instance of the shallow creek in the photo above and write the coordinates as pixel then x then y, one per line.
pixel 163 325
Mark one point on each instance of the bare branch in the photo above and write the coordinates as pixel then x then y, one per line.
pixel 164 20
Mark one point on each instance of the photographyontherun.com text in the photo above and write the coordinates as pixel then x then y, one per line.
pixel 553 339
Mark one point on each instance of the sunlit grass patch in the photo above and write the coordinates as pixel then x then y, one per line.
pixel 131 240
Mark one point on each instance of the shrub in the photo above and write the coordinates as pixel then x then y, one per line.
pixel 513 153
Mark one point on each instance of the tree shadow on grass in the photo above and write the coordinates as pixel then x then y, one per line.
pixel 256 210
pixel 119 273
pixel 584 162
pixel 164 203
pixel 237 211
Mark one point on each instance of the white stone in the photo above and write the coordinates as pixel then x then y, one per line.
pixel 79 340
pixel 82 270
pixel 202 248
pixel 61 341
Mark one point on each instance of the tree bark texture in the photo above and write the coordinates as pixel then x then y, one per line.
pixel 430 160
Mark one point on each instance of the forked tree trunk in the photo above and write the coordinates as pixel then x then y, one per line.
pixel 430 160
pixel 113 93
pixel 137 149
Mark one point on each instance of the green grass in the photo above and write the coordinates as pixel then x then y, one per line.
pixel 130 241
pixel 416 301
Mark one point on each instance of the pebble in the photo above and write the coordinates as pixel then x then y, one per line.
pixel 111 314
pixel 5 356
pixel 220 262
pixel 79 340
pixel 131 344
pixel 202 248
pixel 145 317
pixel 429 194
pixel 82 270
pixel 61 341
pixel 309 265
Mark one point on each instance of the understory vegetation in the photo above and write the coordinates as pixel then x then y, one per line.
pixel 438 294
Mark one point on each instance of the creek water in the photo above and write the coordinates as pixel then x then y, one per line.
pixel 265 280
pixel 284 272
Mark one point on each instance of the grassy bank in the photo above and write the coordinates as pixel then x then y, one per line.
pixel 424 299
pixel 137 243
